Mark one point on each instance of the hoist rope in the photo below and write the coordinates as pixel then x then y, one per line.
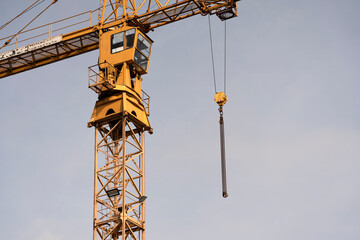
pixel 225 57
pixel 220 99
pixel 212 53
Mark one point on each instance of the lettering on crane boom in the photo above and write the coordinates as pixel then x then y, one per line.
pixel 30 47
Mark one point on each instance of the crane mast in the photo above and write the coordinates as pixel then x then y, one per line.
pixel 120 115
pixel 120 120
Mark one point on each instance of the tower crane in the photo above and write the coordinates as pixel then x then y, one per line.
pixel 120 115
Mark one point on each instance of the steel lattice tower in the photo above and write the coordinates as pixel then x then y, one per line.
pixel 119 180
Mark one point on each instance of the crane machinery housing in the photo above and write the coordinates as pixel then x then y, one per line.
pixel 120 115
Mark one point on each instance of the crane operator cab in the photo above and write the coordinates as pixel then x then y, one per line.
pixel 124 55
pixel 128 45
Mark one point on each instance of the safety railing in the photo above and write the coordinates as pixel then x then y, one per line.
pixel 145 101
pixel 47 31
pixel 102 77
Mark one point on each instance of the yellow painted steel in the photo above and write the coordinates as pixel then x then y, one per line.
pixel 220 98
pixel 126 54
pixel 115 105
pixel 120 71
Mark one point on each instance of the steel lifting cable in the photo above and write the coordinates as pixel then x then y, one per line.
pixel 225 57
pixel 220 99
pixel 212 53
pixel 31 6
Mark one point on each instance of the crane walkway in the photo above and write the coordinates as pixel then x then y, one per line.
pixel 48 51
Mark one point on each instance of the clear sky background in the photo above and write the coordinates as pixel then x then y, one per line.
pixel 292 125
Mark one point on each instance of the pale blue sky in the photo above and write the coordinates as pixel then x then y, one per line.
pixel 291 121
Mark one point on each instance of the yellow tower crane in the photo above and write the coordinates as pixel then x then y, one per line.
pixel 120 115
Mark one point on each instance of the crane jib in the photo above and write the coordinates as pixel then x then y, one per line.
pixel 48 51
pixel 30 47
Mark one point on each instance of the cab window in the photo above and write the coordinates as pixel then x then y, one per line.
pixel 118 43
pixel 143 45
pixel 142 51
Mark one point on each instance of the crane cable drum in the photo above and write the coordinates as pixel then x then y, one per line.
pixel 220 98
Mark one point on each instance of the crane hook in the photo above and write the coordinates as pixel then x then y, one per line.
pixel 220 99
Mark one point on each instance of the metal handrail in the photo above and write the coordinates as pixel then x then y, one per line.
pixel 146 101
pixel 100 82
pixel 50 28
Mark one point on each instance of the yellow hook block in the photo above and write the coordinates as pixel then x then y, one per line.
pixel 220 98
